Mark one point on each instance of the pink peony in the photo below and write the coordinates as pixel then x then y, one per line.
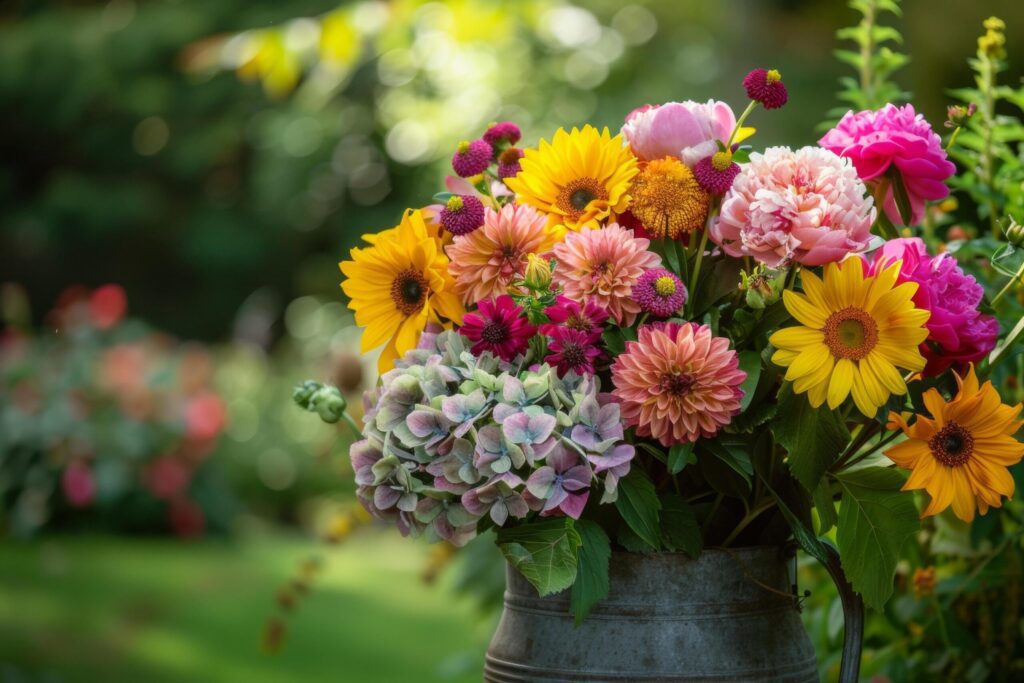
pixel 678 383
pixel 957 333
pixel 79 484
pixel 685 130
pixel 875 140
pixel 602 266
pixel 808 206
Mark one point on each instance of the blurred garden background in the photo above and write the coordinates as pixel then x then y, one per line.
pixel 178 180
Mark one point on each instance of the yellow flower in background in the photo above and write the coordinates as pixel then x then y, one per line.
pixel 398 285
pixel 579 179
pixel 961 454
pixel 855 332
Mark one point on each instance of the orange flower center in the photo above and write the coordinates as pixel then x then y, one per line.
pixel 952 445
pixel 577 195
pixel 408 291
pixel 668 200
pixel 850 333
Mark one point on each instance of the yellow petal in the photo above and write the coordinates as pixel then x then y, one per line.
pixel 797 338
pixel 841 382
pixel 803 310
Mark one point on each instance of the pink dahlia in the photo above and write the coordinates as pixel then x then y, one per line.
pixel 807 206
pixel 660 293
pixel 602 266
pixel 677 383
pixel 588 318
pixel 685 130
pixel 499 327
pixel 958 333
pixel 485 262
pixel 876 140
pixel 573 351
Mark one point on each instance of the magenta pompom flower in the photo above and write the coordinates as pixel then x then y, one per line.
pixel 766 87
pixel 504 133
pixel 498 326
pixel 876 140
pixel 678 383
pixel 958 334
pixel 716 172
pixel 508 163
pixel 660 293
pixel 472 158
pixel 462 214
pixel 587 318
pixel 573 350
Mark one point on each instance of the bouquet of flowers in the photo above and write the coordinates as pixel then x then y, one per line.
pixel 105 423
pixel 664 340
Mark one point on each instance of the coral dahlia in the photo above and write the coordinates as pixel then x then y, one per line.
pixel 678 383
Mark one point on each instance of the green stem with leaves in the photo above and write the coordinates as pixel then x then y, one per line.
pixel 1017 278
pixel 987 85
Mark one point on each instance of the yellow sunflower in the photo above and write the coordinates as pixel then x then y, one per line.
pixel 855 332
pixel 398 285
pixel 961 455
pixel 579 180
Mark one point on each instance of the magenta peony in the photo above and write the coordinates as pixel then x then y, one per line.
pixel 808 206
pixel 685 130
pixel 957 333
pixel 875 140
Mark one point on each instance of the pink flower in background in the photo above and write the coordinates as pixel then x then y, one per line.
pixel 677 383
pixel 877 140
pixel 602 266
pixel 685 130
pixel 205 416
pixel 78 484
pixel 808 206
pixel 107 306
pixel 958 333
pixel 166 477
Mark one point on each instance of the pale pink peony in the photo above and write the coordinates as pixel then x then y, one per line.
pixel 875 140
pixel 808 206
pixel 602 266
pixel 685 130
pixel 677 383
pixel 486 261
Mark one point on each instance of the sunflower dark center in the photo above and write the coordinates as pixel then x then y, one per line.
pixel 850 333
pixel 408 290
pixel 494 332
pixel 952 445
pixel 577 195
pixel 677 383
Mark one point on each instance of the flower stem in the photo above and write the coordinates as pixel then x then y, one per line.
pixel 696 265
pixel 987 85
pixel 747 519
pixel 739 123
pixel 952 138
pixel 1018 277
pixel 352 425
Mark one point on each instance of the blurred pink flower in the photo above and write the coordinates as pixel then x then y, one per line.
pixel 205 416
pixel 808 206
pixel 186 518
pixel 107 306
pixel 685 130
pixel 166 477
pixel 876 140
pixel 958 333
pixel 78 484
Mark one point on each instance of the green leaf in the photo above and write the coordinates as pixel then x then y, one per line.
pixel 639 505
pixel 899 193
pixel 544 552
pixel 679 528
pixel 813 437
pixel 442 197
pixel 679 456
pixel 826 507
pixel 628 539
pixel 591 584
pixel 811 544
pixel 750 363
pixel 614 341
pixel 733 455
pixel 875 520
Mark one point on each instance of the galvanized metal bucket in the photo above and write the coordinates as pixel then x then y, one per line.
pixel 730 615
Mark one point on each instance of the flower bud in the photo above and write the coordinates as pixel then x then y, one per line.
pixel 763 286
pixel 1015 233
pixel 304 392
pixel 538 274
pixel 958 115
pixel 329 404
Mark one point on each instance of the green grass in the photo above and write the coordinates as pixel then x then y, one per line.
pixel 112 610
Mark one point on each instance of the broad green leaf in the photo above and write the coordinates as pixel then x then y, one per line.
pixel 544 552
pixel 813 437
pixel 679 456
pixel 679 528
pixel 826 507
pixel 875 520
pixel 638 504
pixel 750 363
pixel 734 455
pixel 811 544
pixel 591 584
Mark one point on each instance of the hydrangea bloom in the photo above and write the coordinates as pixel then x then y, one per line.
pixel 876 140
pixel 538 442
pixel 957 333
pixel 685 130
pixel 602 266
pixel 806 205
